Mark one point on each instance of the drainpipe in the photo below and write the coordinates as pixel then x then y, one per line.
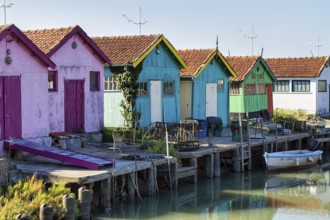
pixel 228 120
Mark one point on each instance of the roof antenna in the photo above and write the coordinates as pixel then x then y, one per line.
pixel 262 51
pixel 140 22
pixel 318 45
pixel 5 5
pixel 251 37
pixel 217 43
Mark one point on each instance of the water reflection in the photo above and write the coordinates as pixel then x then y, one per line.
pixel 252 195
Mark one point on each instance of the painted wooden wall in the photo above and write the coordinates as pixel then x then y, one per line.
pixel 160 66
pixel 34 88
pixel 77 64
pixel 211 74
pixel 112 99
pixel 251 103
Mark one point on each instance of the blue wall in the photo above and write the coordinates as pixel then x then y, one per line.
pixel 211 74
pixel 156 66
pixel 161 66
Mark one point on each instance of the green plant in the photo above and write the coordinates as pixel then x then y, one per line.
pixel 27 197
pixel 159 147
pixel 126 79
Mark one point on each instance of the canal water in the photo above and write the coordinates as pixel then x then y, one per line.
pixel 252 195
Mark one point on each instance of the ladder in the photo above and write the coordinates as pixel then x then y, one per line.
pixel 245 151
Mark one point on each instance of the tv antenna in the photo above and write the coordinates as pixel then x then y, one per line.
pixel 318 45
pixel 140 22
pixel 252 36
pixel 5 5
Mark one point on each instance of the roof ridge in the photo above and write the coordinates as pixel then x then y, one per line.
pixel 52 29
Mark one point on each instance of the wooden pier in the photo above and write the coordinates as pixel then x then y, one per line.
pixel 133 178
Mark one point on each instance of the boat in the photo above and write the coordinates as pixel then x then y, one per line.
pixel 292 159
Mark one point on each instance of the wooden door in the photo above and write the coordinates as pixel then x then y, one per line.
pixel 211 100
pixel 270 98
pixel 10 107
pixel 74 107
pixel 156 101
pixel 185 99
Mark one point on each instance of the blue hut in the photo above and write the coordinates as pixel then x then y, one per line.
pixel 205 85
pixel 158 64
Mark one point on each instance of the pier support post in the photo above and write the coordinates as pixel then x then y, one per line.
pixel 209 165
pixel 174 177
pixel 46 212
pixel 217 171
pixel 84 197
pixel 236 161
pixel 106 194
pixel 152 180
pixel 68 204
pixel 131 186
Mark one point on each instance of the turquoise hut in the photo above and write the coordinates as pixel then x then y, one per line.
pixel 158 98
pixel 205 85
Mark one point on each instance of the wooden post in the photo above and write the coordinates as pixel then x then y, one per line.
pixel 152 180
pixel 236 161
pixel 241 139
pixel 68 204
pixel 106 194
pixel 84 197
pixel 131 186
pixel 209 165
pixel 174 176
pixel 46 212
pixel 217 171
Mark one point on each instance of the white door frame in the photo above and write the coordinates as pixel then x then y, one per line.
pixel 211 100
pixel 156 107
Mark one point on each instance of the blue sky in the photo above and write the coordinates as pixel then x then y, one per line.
pixel 284 28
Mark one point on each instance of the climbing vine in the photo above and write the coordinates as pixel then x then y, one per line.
pixel 126 79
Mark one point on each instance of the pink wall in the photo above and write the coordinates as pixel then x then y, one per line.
pixel 34 87
pixel 76 64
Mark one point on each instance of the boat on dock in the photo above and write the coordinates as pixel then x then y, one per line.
pixel 292 159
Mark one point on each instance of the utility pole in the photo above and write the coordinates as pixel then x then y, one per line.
pixel 5 5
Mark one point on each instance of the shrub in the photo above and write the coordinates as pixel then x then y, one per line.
pixel 159 147
pixel 27 196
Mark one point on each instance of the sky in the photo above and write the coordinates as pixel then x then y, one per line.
pixel 281 28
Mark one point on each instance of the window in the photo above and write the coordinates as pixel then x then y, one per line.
pixel 52 81
pixel 168 88
pixel 110 84
pixel 300 85
pixel 261 88
pixel 250 89
pixel 322 86
pixel 142 89
pixel 234 88
pixel 220 85
pixel 281 86
pixel 94 78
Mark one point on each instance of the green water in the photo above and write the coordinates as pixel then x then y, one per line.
pixel 252 195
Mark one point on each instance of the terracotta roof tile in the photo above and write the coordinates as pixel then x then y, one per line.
pixel 47 39
pixel 195 59
pixel 121 49
pixel 242 65
pixel 297 67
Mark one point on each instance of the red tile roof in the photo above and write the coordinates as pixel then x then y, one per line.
pixel 50 40
pixel 195 59
pixel 121 49
pixel 242 65
pixel 297 67
pixel 47 39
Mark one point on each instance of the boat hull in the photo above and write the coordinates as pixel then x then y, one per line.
pixel 292 159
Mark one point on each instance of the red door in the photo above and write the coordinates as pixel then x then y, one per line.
pixel 10 107
pixel 270 98
pixel 74 105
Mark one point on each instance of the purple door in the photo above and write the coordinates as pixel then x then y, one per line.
pixel 10 107
pixel 74 105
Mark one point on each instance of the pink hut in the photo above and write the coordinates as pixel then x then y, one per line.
pixel 75 86
pixel 23 87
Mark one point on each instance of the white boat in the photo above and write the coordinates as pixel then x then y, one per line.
pixel 292 159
